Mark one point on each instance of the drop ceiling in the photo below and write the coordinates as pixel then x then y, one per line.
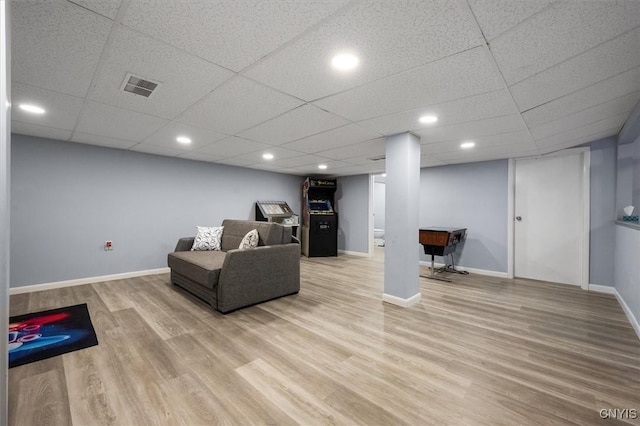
pixel 242 78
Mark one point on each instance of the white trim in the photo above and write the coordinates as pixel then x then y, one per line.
pixel 370 217
pixel 586 216
pixel 511 206
pixel 612 290
pixel 602 289
pixel 486 272
pixel 88 280
pixel 398 301
pixel 355 253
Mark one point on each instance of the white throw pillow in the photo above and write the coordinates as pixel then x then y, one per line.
pixel 250 240
pixel 207 238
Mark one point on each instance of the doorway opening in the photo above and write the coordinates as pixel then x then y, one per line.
pixel 378 186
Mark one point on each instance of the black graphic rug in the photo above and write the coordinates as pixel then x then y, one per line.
pixel 45 334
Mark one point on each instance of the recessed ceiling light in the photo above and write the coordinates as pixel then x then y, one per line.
pixel 267 156
pixel 185 140
pixel 33 109
pixel 322 166
pixel 384 175
pixel 467 145
pixel 345 62
pixel 428 119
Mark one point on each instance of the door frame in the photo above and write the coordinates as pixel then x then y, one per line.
pixel 586 206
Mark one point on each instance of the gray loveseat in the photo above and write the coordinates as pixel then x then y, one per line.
pixel 230 279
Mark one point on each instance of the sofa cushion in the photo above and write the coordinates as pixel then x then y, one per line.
pixel 201 266
pixel 235 230
pixel 207 238
pixel 250 241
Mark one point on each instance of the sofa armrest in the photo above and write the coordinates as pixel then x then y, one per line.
pixel 185 244
pixel 257 275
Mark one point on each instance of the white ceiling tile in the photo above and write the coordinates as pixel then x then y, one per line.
pixel 105 120
pixel 233 34
pixel 235 161
pixel 577 135
pixel 345 135
pixel 157 150
pixel 183 78
pixel 473 129
pixel 200 156
pixel 237 105
pixel 387 36
pixel 488 153
pixel 476 107
pixel 497 16
pixel 303 121
pixel 166 136
pixel 108 8
pixel 302 160
pixel 430 161
pixel 233 146
pixel 606 90
pixel 30 129
pixel 61 110
pixel 605 61
pixel 102 141
pixel 612 108
pixel 579 141
pixel 371 148
pixel 462 75
pixel 565 29
pixel 56 45
pixel 492 142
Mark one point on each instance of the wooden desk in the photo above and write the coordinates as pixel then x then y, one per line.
pixel 440 241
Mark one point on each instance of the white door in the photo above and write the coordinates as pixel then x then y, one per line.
pixel 550 202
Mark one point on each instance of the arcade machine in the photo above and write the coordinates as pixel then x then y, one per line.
pixel 319 220
pixel 278 212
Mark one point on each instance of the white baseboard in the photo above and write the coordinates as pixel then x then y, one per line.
pixel 82 281
pixel 486 272
pixel 405 303
pixel 602 289
pixel 354 253
pixel 612 290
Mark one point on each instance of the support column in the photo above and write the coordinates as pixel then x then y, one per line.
pixel 401 257
pixel 5 174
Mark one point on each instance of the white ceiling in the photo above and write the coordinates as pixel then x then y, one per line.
pixel 242 78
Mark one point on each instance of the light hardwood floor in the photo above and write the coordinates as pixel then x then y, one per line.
pixel 477 351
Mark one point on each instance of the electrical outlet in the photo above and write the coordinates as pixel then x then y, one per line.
pixel 108 245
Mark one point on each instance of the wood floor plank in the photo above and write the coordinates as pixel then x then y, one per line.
pixel 477 351
pixel 42 400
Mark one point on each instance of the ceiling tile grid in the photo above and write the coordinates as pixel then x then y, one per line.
pixel 385 40
pixel 105 120
pixel 56 45
pixel 462 75
pixel 564 30
pixel 607 60
pixel 61 110
pixel 244 78
pixel 601 92
pixel 233 34
pixel 476 107
pixel 183 78
pixel 298 123
pixel 237 105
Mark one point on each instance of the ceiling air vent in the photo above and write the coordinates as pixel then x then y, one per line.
pixel 378 158
pixel 138 85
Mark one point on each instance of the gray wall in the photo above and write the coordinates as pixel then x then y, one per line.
pixel 378 204
pixel 472 196
pixel 636 176
pixel 603 211
pixel 68 199
pixel 624 184
pixel 5 176
pixel 352 205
